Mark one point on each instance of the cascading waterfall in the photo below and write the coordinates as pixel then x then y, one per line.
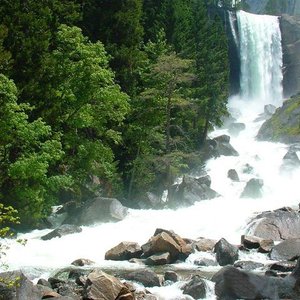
pixel 261 58
pixel 225 216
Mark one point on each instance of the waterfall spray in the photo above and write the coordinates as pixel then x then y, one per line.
pixel 261 58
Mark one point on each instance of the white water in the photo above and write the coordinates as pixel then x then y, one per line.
pixel 225 216
pixel 261 57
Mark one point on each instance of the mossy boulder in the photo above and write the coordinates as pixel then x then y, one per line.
pixel 284 125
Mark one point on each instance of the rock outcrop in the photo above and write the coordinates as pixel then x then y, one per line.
pixel 97 210
pixel 278 225
pixel 283 126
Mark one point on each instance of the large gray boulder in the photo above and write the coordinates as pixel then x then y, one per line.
pixel 147 277
pixel 283 126
pixel 195 287
pixel 232 283
pixel 226 253
pixel 16 286
pixel 286 250
pixel 218 146
pixel 97 210
pixel 276 225
pixel 190 190
pixel 253 188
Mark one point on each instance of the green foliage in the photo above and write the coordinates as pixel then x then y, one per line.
pixel 8 215
pixel 28 150
pixel 212 69
pixel 87 109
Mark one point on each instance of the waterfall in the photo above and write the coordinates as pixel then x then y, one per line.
pixel 261 58
pixel 221 217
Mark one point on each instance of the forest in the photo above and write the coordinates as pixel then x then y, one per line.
pixel 106 98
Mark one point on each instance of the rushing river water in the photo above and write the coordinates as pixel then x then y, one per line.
pixel 225 216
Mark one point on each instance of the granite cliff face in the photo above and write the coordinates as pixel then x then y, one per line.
pixel 276 7
pixel 290 28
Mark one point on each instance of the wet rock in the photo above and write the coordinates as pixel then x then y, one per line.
pixel 283 266
pixel 248 265
pixel 253 188
pixel 232 283
pixel 233 175
pixel 160 243
pixel 146 277
pixel 82 262
pixel 290 161
pixel 219 146
pixel 158 259
pixel 171 276
pixel 61 231
pixel 236 128
pixel 151 201
pixel 97 210
pixel 251 242
pixel 190 190
pixel 286 250
pixel 196 287
pixel 16 286
pixel 100 285
pixel 226 254
pixel 124 251
pixel 205 262
pixel 276 225
pixel 266 246
pixel 44 282
pixel 204 245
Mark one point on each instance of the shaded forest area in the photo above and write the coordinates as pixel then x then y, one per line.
pixel 105 97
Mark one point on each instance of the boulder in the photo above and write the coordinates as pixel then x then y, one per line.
pixel 158 259
pixel 97 210
pixel 226 254
pixel 16 286
pixel 235 128
pixel 62 230
pixel 205 262
pixel 286 250
pixel 232 283
pixel 219 146
pixel 100 285
pixel 80 262
pixel 248 265
pixel 171 276
pixel 151 201
pixel 290 160
pixel 254 242
pixel 124 251
pixel 283 126
pixel 161 243
pixel 190 190
pixel 204 245
pixel 146 277
pixel 195 287
pixel 276 225
pixel 283 266
pixel 253 188
pixel 233 175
